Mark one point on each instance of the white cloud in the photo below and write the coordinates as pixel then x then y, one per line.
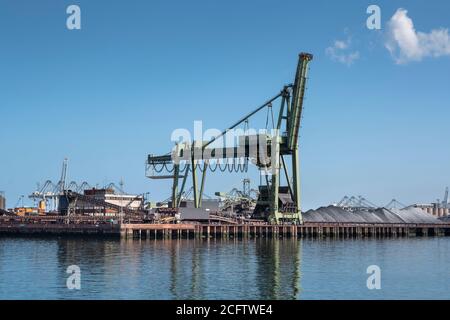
pixel 406 44
pixel 340 52
pixel 340 44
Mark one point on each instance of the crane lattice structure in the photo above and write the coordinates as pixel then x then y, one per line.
pixel 269 157
pixel 186 195
pixel 355 202
pixel 52 192
pixel 240 200
pixel 395 204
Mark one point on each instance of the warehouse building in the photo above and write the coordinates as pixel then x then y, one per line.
pixel 100 202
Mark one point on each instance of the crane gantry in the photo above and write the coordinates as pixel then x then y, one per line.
pixel 267 152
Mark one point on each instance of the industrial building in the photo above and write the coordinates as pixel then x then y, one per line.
pixel 433 208
pixel 109 196
pixel 100 202
pixel 437 209
pixel 208 204
pixel 27 211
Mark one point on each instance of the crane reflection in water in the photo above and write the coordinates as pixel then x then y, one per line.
pixel 182 269
pixel 256 269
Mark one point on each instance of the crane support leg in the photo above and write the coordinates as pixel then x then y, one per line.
pixel 275 188
pixel 296 183
pixel 286 174
pixel 176 175
pixel 202 185
pixel 183 185
pixel 195 182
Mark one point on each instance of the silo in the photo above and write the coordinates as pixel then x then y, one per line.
pixel 2 201
pixel 42 206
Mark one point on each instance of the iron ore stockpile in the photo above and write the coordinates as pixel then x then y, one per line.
pixel 334 214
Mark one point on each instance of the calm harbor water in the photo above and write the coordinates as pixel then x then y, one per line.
pixel 35 268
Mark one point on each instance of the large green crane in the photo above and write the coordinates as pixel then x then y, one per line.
pixel 277 203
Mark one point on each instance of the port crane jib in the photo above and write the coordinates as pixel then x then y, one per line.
pixel 445 203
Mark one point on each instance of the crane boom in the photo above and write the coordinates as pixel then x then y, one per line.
pixel 63 176
pixel 445 202
pixel 295 114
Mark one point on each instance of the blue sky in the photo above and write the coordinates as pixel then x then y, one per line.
pixel 107 95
